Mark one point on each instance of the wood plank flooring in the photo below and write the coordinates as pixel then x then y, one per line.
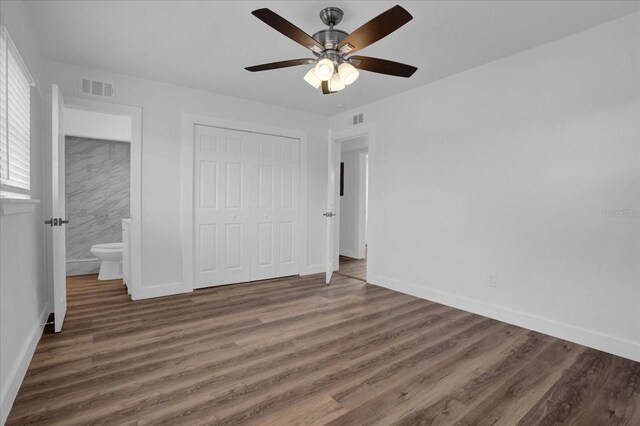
pixel 295 351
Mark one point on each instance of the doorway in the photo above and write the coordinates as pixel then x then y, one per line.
pixel 348 218
pixel 98 187
pixel 353 209
pixel 85 118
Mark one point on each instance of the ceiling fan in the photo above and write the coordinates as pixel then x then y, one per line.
pixel 334 64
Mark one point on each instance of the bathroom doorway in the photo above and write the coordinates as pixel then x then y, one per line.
pixel 102 191
pixel 97 185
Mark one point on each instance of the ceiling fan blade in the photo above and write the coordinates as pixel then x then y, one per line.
pixel 280 64
pixel 285 27
pixel 382 66
pixel 376 29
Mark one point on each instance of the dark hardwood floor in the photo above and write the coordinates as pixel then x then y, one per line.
pixel 295 351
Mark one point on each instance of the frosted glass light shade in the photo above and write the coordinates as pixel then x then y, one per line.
pixel 312 79
pixel 348 73
pixel 324 69
pixel 336 84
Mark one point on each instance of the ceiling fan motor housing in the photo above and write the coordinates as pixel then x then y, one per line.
pixel 330 38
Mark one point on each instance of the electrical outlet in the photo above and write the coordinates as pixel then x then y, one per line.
pixel 493 280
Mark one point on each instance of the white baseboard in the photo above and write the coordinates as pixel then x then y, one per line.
pixel 10 389
pixel 149 291
pixel 160 290
pixel 613 345
pixel 82 266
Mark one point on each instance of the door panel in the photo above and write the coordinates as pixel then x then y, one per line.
pixel 57 208
pixel 265 244
pixel 265 187
pixel 208 189
pixel 234 145
pixel 233 248
pixel 286 243
pixel 267 150
pixel 288 207
pixel 234 189
pixel 208 248
pixel 331 262
pixel 247 206
pixel 265 212
pixel 287 187
pixel 208 143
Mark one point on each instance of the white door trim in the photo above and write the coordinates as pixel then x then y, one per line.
pixel 135 201
pixel 337 137
pixel 189 121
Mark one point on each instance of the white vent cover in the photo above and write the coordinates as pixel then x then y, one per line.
pixel 356 119
pixel 97 88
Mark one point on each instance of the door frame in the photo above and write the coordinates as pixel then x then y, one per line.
pixel 135 194
pixel 189 121
pixel 336 137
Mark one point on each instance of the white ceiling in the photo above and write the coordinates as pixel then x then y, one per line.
pixel 206 44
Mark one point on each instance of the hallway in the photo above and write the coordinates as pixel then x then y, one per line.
pixel 353 268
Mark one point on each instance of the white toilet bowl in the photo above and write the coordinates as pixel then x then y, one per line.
pixel 110 256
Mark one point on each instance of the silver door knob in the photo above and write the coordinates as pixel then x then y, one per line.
pixel 329 214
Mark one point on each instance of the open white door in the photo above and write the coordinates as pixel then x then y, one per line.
pixel 330 214
pixel 57 208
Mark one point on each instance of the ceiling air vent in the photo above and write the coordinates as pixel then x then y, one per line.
pixel 356 119
pixel 97 88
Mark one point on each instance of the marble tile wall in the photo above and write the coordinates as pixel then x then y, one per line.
pixel 97 198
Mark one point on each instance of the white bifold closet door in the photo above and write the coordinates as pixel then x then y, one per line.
pixel 246 206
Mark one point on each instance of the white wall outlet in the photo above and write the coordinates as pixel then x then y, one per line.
pixel 493 280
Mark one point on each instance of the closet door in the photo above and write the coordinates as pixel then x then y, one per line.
pixel 222 211
pixel 276 219
pixel 246 206
pixel 288 206
pixel 265 208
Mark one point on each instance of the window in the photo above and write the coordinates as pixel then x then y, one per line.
pixel 15 121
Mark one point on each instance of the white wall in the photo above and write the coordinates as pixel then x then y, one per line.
pixel 512 168
pixel 23 291
pixel 162 108
pixel 97 125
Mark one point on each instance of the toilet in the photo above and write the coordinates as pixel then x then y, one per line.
pixel 110 256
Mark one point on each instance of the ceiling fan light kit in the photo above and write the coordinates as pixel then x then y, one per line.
pixel 336 84
pixel 311 78
pixel 348 73
pixel 334 65
pixel 324 69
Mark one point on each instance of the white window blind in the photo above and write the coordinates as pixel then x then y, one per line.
pixel 15 121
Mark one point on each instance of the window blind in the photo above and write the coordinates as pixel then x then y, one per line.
pixel 15 118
